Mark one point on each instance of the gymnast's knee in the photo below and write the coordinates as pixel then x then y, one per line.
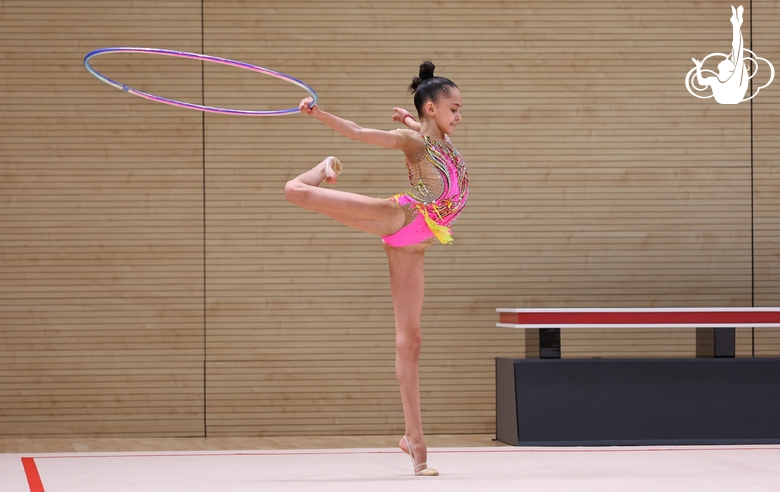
pixel 407 346
pixel 295 191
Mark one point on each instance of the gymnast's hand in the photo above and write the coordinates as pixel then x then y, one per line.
pixel 405 117
pixel 400 114
pixel 304 107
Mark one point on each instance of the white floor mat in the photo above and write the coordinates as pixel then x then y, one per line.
pixel 716 468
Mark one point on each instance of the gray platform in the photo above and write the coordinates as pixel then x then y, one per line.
pixel 637 401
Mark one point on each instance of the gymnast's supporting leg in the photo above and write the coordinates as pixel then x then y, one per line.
pixel 407 286
pixel 372 215
pixel 407 283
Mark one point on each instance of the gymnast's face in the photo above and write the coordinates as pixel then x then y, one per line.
pixel 446 111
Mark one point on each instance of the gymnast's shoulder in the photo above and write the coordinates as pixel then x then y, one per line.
pixel 408 139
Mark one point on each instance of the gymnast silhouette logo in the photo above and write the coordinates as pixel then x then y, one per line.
pixel 731 82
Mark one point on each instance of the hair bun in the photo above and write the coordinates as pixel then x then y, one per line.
pixel 426 73
pixel 426 70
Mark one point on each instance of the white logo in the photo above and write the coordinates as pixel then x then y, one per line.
pixel 731 82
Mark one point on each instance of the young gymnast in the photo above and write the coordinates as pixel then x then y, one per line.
pixel 408 222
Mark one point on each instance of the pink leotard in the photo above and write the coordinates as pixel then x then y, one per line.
pixel 440 187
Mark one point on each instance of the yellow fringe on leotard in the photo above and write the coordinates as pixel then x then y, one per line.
pixel 442 233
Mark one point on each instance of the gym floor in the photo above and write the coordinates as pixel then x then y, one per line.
pixel 373 463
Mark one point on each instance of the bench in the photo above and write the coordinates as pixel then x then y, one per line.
pixel 715 334
pixel 714 398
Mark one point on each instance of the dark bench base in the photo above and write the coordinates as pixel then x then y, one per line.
pixel 545 343
pixel 637 401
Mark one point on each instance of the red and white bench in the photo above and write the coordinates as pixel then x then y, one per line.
pixel 715 334
pixel 611 401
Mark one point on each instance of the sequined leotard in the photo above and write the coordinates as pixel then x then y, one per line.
pixel 440 187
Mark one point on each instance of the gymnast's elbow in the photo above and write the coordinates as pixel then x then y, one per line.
pixel 371 136
pixel 357 134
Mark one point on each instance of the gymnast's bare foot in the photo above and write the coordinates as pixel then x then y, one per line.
pixel 326 171
pixel 331 168
pixel 419 454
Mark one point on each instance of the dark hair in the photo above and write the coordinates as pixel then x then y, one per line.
pixel 426 87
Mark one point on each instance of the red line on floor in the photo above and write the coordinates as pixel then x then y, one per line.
pixel 33 478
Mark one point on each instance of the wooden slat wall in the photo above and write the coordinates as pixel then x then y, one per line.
pixel 766 170
pixel 596 180
pixel 300 336
pixel 101 225
pixel 152 271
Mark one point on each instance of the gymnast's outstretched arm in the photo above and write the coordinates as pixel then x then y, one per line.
pixel 350 129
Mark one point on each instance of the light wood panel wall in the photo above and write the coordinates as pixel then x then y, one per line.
pixel 155 281
pixel 101 225
pixel 766 173
pixel 596 180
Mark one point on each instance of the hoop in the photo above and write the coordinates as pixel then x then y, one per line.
pixel 195 56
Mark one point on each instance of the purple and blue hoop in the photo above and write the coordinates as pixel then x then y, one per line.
pixel 206 58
